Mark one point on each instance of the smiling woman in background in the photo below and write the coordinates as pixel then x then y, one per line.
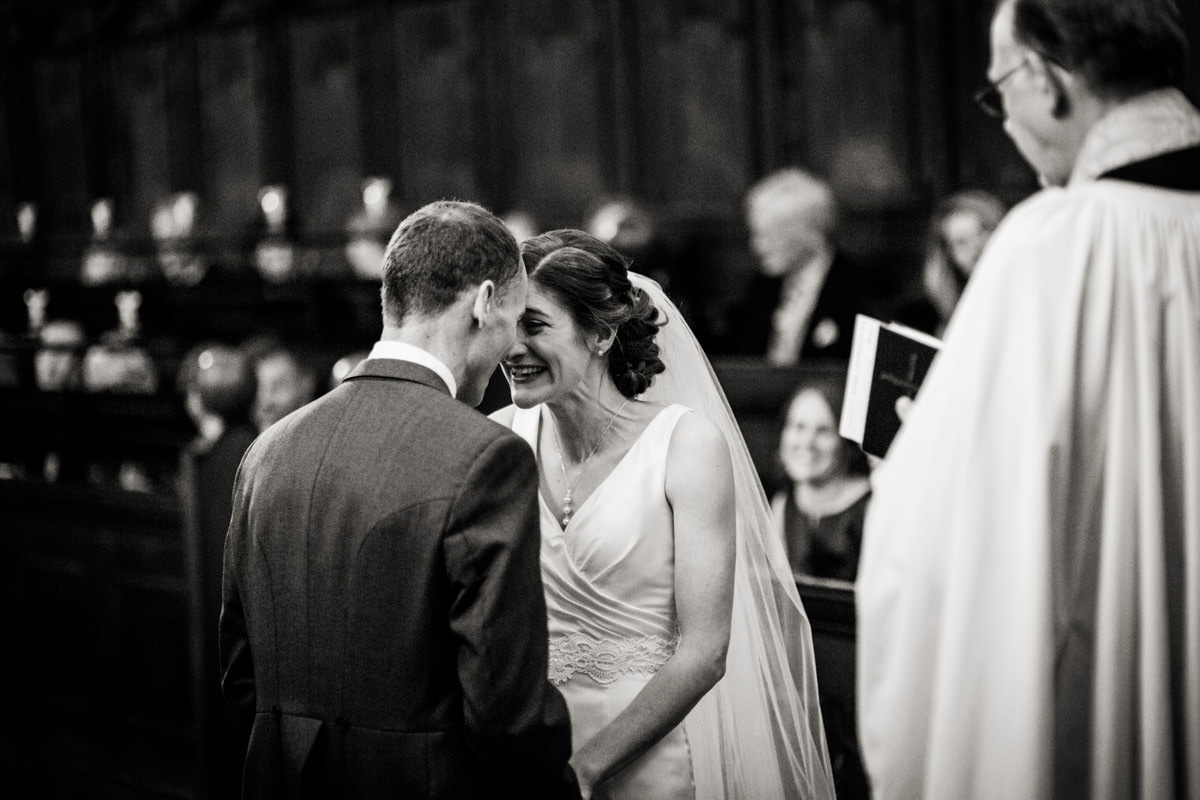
pixel 820 511
pixel 961 226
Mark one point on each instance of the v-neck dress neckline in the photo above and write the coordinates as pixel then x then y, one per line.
pixel 581 507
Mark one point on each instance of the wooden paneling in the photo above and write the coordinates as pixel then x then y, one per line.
pixel 559 107
pixel 533 103
pixel 542 105
pixel 980 154
pixel 696 117
pixel 231 127
pixel 61 195
pixel 441 143
pixel 142 126
pixel 854 83
pixel 328 168
pixel 376 89
pixel 8 189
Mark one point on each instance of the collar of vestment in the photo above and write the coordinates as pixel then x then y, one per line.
pixel 1145 126
pixel 402 351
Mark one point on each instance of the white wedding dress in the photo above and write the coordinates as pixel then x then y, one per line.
pixel 609 579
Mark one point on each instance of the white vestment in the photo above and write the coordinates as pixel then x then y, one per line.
pixel 1029 584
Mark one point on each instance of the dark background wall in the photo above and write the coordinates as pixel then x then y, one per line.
pixel 542 105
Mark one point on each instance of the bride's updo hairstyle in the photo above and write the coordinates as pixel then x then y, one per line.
pixel 591 280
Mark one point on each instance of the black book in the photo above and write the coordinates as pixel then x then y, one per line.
pixel 887 361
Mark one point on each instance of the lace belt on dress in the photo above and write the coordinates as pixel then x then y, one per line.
pixel 606 660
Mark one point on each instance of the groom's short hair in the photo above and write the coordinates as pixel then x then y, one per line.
pixel 439 251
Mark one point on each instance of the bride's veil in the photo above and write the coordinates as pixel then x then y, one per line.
pixel 758 734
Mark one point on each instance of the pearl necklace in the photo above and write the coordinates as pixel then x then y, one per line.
pixel 568 506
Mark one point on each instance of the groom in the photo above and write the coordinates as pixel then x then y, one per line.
pixel 383 621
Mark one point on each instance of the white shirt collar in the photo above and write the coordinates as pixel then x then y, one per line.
pixel 410 352
pixel 1144 126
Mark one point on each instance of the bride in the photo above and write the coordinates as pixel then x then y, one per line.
pixel 677 637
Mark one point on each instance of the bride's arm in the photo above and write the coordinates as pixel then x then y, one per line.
pixel 700 491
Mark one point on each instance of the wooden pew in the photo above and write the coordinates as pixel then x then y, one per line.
pixel 97 582
pixel 107 580
pixel 757 394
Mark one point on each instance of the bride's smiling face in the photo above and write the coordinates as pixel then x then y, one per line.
pixel 551 354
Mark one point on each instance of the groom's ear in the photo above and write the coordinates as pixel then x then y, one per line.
pixel 481 308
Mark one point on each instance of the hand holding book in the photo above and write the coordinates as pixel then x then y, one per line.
pixel 888 362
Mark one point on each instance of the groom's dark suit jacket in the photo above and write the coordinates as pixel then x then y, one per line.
pixel 383 620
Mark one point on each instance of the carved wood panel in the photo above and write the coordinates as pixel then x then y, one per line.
pixel 231 127
pixel 326 120
pixel 556 107
pixel 58 119
pixel 697 103
pixel 142 126
pixel 439 96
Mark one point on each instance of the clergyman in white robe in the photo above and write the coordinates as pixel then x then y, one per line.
pixel 1029 585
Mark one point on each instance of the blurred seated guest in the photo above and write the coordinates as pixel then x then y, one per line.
pixel 284 383
pixel 821 510
pixel 802 303
pixel 119 362
pixel 57 367
pixel 959 229
pixel 36 302
pixel 104 260
pixel 275 250
pixel 173 226
pixel 58 362
pixel 218 385
pixel 219 388
pixel 629 227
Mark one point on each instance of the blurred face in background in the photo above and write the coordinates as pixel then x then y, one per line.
pixel 58 364
pixel 965 236
pixel 282 388
pixel 810 448
pixel 782 241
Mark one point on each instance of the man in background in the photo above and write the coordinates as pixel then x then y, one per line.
pixel 284 382
pixel 217 382
pixel 802 304
pixel 1027 593
pixel 383 622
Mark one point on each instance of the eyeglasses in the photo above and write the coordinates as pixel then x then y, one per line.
pixel 989 98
